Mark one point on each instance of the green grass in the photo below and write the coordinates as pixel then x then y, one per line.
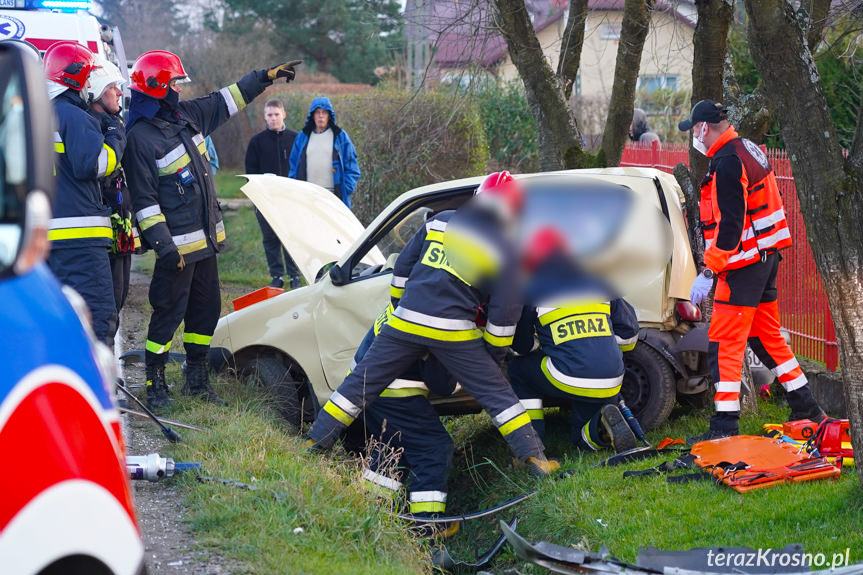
pixel 346 528
pixel 597 506
pixel 243 261
pixel 343 528
pixel 228 184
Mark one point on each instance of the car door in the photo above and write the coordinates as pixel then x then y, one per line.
pixel 357 289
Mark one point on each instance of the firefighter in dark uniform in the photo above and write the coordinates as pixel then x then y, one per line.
pixel 80 231
pixel 106 96
pixel 410 445
pixel 570 339
pixel 744 225
pixel 174 198
pixel 435 306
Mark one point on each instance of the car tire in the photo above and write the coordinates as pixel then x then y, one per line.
pixel 272 375
pixel 648 386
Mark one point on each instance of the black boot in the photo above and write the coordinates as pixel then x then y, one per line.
pixel 722 424
pixel 804 406
pixel 158 394
pixel 198 381
pixel 616 429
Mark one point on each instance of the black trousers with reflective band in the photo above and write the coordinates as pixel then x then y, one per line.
pixel 191 295
pixel 468 361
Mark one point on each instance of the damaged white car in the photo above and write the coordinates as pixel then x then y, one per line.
pixel 300 343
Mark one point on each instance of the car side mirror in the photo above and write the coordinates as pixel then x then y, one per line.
pixel 26 159
pixel 337 275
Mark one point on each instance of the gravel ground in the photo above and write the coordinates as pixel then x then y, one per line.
pixel 170 547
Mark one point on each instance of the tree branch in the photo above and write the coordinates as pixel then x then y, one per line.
pixel 571 46
pixel 633 33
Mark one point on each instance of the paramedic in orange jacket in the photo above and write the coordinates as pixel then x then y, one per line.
pixel 745 228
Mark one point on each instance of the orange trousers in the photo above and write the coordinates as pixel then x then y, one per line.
pixel 745 311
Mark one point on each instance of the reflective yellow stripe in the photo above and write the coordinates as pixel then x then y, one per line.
pixel 585 434
pixel 112 160
pixel 154 347
pixel 383 318
pixel 627 347
pixel 514 423
pixel 404 392
pixel 80 233
pixel 536 414
pixel 175 166
pixel 563 312
pixel 428 507
pixel 497 340
pixel 337 412
pixel 220 236
pixel 60 147
pixel 148 223
pixel 432 333
pixel 192 247
pixel 573 390
pixel 396 292
pixel 434 236
pixel 197 338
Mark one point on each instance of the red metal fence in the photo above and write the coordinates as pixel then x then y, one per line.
pixel 802 302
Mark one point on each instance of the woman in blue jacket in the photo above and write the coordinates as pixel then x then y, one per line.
pixel 324 154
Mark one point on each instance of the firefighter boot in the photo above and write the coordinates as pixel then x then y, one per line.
pixel 804 406
pixel 617 429
pixel 158 394
pixel 198 381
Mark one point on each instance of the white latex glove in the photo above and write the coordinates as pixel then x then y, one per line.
pixel 700 288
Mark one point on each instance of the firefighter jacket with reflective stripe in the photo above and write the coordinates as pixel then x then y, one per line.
pixel 433 301
pixel 83 155
pixel 581 335
pixel 168 171
pixel 741 208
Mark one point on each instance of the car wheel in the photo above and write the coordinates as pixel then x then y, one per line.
pixel 648 386
pixel 271 374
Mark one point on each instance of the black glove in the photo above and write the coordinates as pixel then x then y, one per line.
pixel 172 260
pixel 111 123
pixel 285 71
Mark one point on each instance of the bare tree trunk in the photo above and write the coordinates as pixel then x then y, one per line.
pixel 828 186
pixel 560 140
pixel 571 45
pixel 633 33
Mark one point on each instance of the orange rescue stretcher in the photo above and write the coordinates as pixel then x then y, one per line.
pixel 749 462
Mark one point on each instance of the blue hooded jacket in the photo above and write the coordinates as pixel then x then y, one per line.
pixel 346 168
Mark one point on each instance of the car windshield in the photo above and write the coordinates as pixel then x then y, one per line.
pixel 393 235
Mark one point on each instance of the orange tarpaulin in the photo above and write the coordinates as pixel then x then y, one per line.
pixel 748 462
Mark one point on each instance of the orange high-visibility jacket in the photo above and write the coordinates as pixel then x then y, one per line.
pixel 741 209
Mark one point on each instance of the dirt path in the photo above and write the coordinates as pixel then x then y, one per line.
pixel 170 547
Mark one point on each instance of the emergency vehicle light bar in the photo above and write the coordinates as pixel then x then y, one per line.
pixel 61 4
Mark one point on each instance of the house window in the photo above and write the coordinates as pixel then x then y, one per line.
pixel 609 31
pixel 653 83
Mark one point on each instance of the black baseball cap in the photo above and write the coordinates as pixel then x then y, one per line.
pixel 708 111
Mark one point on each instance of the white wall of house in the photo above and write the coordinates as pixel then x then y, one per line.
pixel 666 60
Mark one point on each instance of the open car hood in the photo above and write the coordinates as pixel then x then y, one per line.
pixel 315 227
